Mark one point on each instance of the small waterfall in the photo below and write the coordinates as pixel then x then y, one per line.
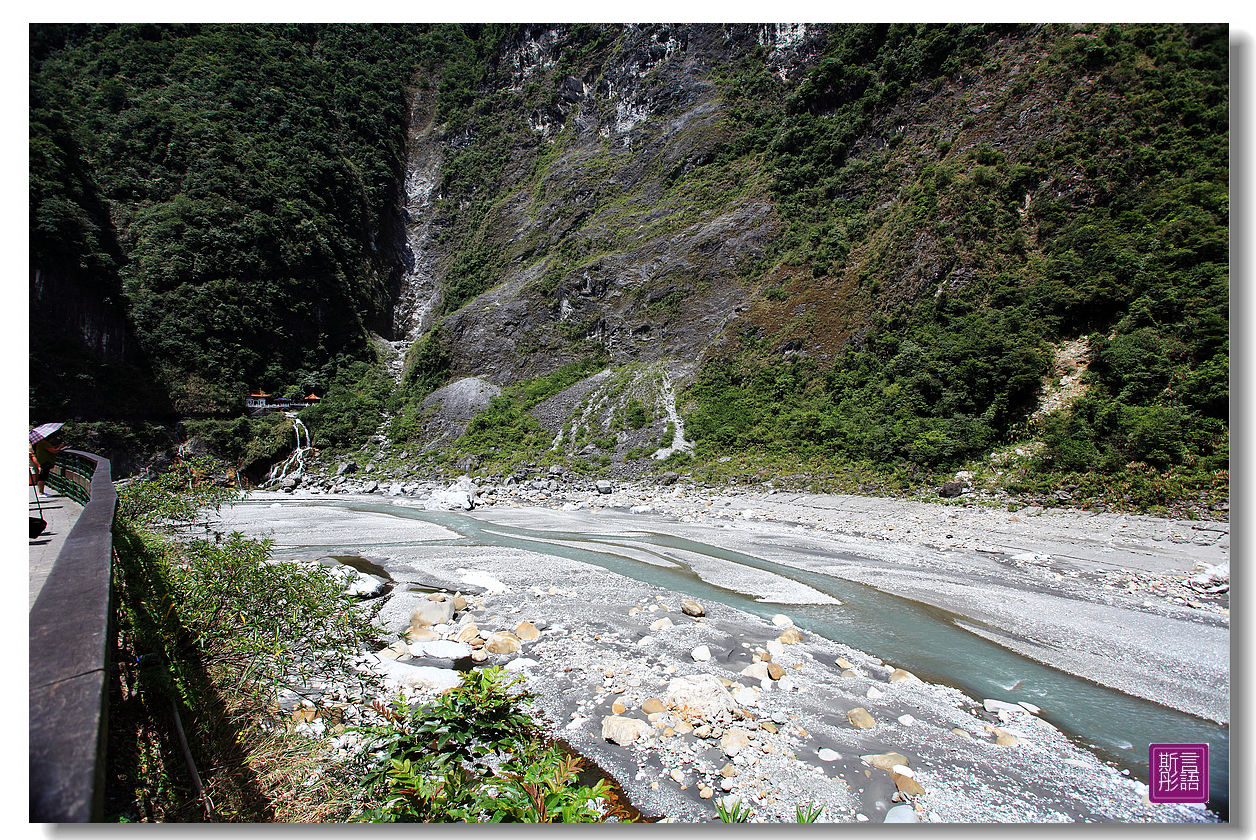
pixel 294 464
pixel 679 442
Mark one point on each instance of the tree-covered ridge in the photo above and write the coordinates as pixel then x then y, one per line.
pixel 945 206
pixel 1113 227
pixel 250 175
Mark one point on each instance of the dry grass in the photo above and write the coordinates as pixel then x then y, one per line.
pixel 294 777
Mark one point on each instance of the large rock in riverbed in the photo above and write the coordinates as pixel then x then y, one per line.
pixel 791 636
pixel 859 717
pixel 734 741
pixel 884 761
pixel 502 643
pixel 699 696
pixel 458 496
pixel 623 730
pixel 901 814
pixel 428 613
pixel 692 608
pixel 417 676
pixel 359 584
pixel 441 649
pixel 905 781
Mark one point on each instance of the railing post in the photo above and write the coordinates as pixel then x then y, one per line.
pixel 70 639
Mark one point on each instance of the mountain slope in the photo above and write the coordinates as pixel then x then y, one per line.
pixel 860 244
pixel 869 241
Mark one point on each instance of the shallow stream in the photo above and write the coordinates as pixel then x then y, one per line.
pixel 928 641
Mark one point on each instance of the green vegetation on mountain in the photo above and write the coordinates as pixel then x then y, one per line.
pixel 890 243
pixel 1124 241
pixel 250 175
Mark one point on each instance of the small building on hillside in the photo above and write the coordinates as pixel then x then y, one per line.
pixel 259 401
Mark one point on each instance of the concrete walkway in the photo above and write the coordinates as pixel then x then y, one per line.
pixel 60 513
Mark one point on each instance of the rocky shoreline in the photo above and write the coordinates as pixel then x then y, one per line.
pixel 690 704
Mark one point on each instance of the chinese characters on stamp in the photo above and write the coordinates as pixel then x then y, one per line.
pixel 1179 772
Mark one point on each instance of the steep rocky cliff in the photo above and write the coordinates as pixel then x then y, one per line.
pixel 850 244
pixel 613 227
pixel 908 219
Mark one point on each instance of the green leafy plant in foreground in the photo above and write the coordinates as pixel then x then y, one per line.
pixel 809 814
pixel 473 755
pixel 175 497
pixel 737 813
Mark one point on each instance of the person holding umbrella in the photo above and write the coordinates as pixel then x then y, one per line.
pixel 46 442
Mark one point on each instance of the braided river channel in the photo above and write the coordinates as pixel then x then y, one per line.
pixel 931 642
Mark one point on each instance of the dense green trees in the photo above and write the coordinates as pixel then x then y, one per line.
pixel 1126 238
pixel 250 175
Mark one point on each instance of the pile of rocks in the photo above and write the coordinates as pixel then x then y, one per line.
pixel 690 705
pixel 444 638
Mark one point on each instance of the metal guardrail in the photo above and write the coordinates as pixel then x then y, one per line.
pixel 71 476
pixel 70 635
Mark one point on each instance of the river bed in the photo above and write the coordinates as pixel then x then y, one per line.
pixel 971 624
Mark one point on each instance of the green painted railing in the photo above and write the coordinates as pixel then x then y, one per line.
pixel 72 476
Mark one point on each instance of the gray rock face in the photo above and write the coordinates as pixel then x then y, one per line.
pixel 454 406
pixel 666 283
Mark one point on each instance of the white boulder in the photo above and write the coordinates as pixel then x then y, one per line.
pixel 623 730
pixel 440 649
pixel 699 696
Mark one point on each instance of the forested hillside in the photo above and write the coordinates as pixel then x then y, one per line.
pixel 248 177
pixel 863 248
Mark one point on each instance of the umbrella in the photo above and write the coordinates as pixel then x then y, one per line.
pixel 40 432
